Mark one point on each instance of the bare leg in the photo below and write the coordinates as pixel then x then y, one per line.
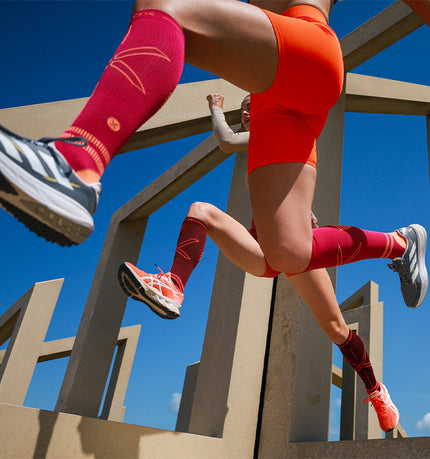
pixel 316 289
pixel 231 237
pixel 281 197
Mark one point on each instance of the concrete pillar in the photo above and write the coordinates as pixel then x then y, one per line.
pixel 113 408
pixel 185 407
pixel 26 323
pixel 86 375
pixel 211 392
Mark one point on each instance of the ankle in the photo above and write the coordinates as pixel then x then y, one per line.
pixel 400 239
pixel 88 176
pixel 374 389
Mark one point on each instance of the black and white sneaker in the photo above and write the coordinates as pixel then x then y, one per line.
pixel 411 266
pixel 40 189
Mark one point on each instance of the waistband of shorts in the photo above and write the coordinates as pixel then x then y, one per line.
pixel 306 12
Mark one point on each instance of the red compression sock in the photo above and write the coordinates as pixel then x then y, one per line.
pixel 189 251
pixel 354 351
pixel 138 80
pixel 340 245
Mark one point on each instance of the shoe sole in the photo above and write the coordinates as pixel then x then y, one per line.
pixel 134 288
pixel 42 210
pixel 421 256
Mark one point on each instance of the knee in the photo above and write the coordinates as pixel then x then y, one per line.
pixel 291 259
pixel 202 211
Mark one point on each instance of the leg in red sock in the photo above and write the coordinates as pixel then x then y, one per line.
pixel 189 251
pixel 340 245
pixel 355 353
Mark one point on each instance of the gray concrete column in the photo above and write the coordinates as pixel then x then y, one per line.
pixel 88 369
pixel 211 392
pixel 26 323
pixel 185 407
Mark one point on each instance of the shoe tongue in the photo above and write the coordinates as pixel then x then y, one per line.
pixel 65 167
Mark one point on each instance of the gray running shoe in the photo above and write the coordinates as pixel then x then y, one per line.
pixel 40 189
pixel 411 266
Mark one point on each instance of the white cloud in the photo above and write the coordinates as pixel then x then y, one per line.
pixel 337 402
pixel 424 424
pixel 174 402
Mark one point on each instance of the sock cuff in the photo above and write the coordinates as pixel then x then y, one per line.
pixel 375 388
pixel 348 340
pixel 156 14
pixel 195 220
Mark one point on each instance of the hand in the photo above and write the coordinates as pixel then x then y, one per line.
pixel 215 100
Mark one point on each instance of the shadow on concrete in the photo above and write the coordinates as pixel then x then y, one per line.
pixel 47 420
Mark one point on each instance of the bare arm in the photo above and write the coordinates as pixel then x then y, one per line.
pixel 228 140
pixel 421 7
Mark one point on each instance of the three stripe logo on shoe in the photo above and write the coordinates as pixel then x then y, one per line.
pixel 38 160
pixel 413 259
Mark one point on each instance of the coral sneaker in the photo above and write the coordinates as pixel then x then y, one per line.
pixel 388 414
pixel 155 290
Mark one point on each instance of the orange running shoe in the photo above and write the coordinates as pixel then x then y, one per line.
pixel 155 290
pixel 388 414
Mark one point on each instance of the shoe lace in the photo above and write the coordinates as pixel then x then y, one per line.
pixel 399 267
pixel 161 273
pixel 379 403
pixel 77 141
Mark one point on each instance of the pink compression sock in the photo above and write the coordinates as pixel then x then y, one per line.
pixel 138 80
pixel 340 245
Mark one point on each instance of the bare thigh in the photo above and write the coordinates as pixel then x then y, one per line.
pixel 229 38
pixel 231 237
pixel 281 198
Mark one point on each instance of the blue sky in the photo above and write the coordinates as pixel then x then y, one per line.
pixel 57 50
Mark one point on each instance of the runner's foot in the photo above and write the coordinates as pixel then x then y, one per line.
pixel 155 290
pixel 41 190
pixel 411 266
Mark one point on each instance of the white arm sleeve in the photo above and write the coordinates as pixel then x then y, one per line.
pixel 228 140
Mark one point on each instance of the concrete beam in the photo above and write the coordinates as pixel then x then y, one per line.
pixel 201 160
pixel 367 94
pixel 336 376
pixel 365 295
pixel 185 113
pixel 378 33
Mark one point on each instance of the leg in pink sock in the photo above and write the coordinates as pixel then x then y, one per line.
pixel 138 80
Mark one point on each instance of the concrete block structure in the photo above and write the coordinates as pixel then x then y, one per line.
pixel 258 375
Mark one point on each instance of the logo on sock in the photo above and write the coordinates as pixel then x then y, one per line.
pixel 114 124
pixel 119 63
